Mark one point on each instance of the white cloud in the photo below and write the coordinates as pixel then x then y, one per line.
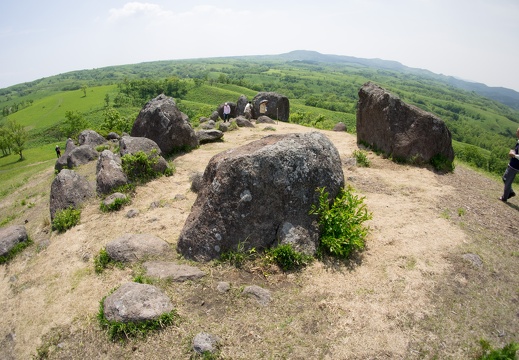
pixel 137 8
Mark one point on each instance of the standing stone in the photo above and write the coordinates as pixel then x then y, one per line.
pixel 402 131
pixel 69 189
pixel 161 121
pixel 277 105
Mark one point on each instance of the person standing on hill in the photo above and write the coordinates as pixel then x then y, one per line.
pixel 510 172
pixel 226 112
pixel 58 151
pixel 248 111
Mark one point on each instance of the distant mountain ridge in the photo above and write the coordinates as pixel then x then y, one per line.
pixel 503 95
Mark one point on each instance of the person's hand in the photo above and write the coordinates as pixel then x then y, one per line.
pixel 511 153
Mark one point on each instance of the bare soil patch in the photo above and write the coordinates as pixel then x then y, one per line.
pixel 410 294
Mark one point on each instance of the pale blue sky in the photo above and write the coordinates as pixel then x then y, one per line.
pixel 476 40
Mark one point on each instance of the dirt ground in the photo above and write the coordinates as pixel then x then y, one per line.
pixel 412 294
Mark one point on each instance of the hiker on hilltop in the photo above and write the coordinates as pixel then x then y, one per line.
pixel 248 111
pixel 226 112
pixel 58 151
pixel 511 170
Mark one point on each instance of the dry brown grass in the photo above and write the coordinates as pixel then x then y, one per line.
pixel 409 295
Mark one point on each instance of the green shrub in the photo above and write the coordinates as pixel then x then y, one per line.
pixel 237 258
pixel 103 261
pixel 287 258
pixel 508 352
pixel 441 163
pixel 101 148
pixel 15 250
pixel 361 158
pixel 65 219
pixel 341 222
pixel 139 166
pixel 125 330
pixel 115 205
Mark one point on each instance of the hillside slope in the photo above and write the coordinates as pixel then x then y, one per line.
pixel 410 294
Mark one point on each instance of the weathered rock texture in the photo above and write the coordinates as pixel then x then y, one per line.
pixel 69 189
pixel 400 130
pixel 208 136
pixel 135 247
pixel 171 271
pixel 258 193
pixel 278 106
pixel 81 155
pixel 10 237
pixel 134 302
pixel 161 121
pixel 110 174
pixel 90 137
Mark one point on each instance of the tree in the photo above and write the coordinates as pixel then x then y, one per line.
pixel 73 124
pixel 5 142
pixel 18 136
pixel 84 88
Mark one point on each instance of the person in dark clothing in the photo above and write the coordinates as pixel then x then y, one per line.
pixel 58 151
pixel 510 172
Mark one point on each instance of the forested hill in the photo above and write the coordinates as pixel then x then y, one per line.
pixel 505 96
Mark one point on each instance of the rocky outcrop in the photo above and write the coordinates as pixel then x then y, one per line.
pixel 132 145
pixel 400 130
pixel 256 193
pixel 110 174
pixel 69 189
pixel 277 106
pixel 240 105
pixel 161 121
pixel 11 236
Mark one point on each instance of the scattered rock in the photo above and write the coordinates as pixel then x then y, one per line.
pixel 172 271
pixel 261 295
pixel 110 199
pixel 134 302
pixel 132 213
pixel 205 343
pixel 473 259
pixel 196 181
pixel 265 120
pixel 11 236
pixel 135 247
pixel 81 155
pixel 208 136
pixel 243 122
pixel 223 286
pixel 340 127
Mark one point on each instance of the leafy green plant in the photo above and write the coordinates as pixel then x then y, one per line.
pixel 139 167
pixel 101 148
pixel 115 205
pixel 103 261
pixel 240 256
pixel 15 250
pixel 361 157
pixel 287 258
pixel 66 219
pixel 508 352
pixel 341 222
pixel 440 163
pixel 125 330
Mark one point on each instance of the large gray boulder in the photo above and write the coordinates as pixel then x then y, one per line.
pixel 134 302
pixel 161 121
pixel 81 155
pixel 277 105
pixel 260 192
pixel 90 137
pixel 240 105
pixel 400 130
pixel 136 247
pixel 109 173
pixel 208 136
pixel 69 189
pixel 11 236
